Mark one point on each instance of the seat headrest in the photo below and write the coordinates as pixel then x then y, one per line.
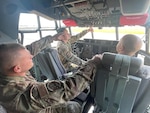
pixel 109 58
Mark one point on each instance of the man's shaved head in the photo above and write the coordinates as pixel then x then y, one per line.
pixel 129 45
pixel 8 55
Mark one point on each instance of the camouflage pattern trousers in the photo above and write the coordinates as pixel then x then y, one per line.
pixel 69 107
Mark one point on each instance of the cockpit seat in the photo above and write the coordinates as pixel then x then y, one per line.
pixel 115 86
pixel 47 66
pixel 142 102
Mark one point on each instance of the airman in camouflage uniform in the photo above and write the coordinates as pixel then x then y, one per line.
pixel 65 51
pixel 21 93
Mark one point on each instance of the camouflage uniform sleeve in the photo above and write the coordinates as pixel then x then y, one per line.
pixel 37 46
pixel 64 51
pixel 56 92
pixel 78 36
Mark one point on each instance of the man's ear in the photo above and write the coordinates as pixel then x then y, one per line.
pixel 121 48
pixel 17 69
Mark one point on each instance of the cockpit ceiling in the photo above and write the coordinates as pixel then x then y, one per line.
pixel 97 13
pixel 84 12
pixel 87 13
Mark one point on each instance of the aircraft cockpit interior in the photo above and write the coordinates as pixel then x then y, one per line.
pixel 122 83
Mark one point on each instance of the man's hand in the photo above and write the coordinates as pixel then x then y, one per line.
pixel 90 29
pixel 97 59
